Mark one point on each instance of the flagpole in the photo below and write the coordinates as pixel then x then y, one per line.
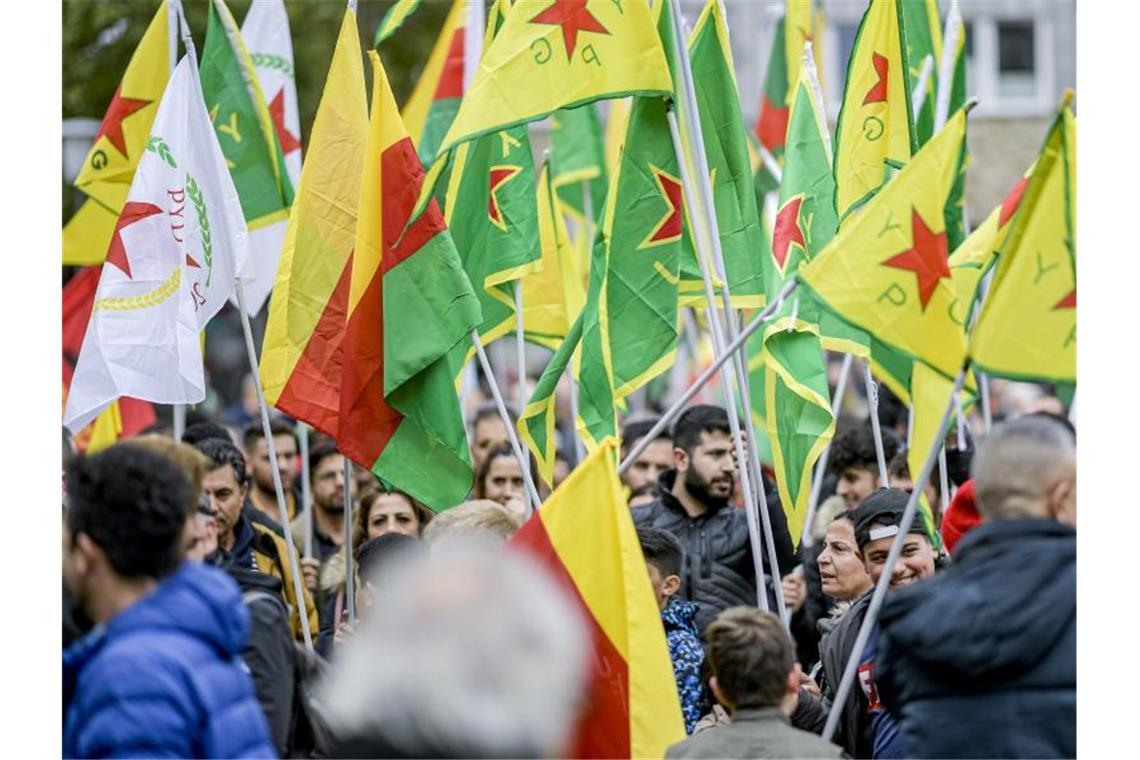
pixel 520 348
pixel 172 13
pixel 713 234
pixel 946 66
pixel 473 40
pixel 179 414
pixel 306 488
pixel 821 466
pixel 349 572
pixel 839 702
pixel 1073 410
pixel 743 462
pixel 282 513
pixel 943 480
pixel 512 436
pixel 920 89
pixel 873 407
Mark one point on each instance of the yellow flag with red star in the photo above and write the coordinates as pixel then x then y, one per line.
pixel 887 271
pixel 1027 328
pixel 875 132
pixel 553 54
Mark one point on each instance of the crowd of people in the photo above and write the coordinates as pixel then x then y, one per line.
pixel 184 626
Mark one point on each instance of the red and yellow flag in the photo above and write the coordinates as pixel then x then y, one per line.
pixel 432 106
pixel 301 355
pixel 409 304
pixel 585 537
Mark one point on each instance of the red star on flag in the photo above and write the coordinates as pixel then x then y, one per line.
pixel 112 126
pixel 787 231
pixel 669 227
pixel 878 92
pixel 288 140
pixel 133 211
pixel 573 17
pixel 500 175
pixel 1012 201
pixel 1068 302
pixel 927 258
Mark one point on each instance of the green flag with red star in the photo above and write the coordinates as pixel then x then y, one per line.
pixel 796 395
pixel 578 161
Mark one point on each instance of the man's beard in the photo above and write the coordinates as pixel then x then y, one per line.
pixel 698 488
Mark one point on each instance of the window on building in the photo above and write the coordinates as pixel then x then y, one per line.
pixel 1017 63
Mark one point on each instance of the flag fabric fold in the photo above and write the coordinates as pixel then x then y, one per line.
pixel 302 352
pixel 584 536
pixel 409 305
pixel 177 248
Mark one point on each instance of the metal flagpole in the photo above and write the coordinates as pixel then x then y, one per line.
pixel 946 65
pixel 821 467
pixel 742 461
pixel 349 572
pixel 520 347
pixel 282 513
pixel 873 406
pixel 306 489
pixel 179 413
pixel 923 84
pixel 672 412
pixel 524 461
pixel 713 237
pixel 884 582
pixel 943 480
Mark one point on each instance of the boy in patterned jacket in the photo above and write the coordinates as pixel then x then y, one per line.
pixel 663 556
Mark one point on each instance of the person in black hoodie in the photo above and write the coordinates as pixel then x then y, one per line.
pixel 981 660
pixel 694 506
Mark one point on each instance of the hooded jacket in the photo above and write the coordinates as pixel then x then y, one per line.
pixel 717 571
pixel 164 678
pixel 981 661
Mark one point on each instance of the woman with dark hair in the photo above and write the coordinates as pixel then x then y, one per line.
pixel 500 479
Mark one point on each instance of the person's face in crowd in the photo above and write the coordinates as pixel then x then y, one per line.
pixel 226 499
pixel 286 463
pixel 856 484
pixel 203 536
pixel 328 483
pixel 489 433
pixel 664 586
pixel 710 470
pixel 647 468
pixel 915 563
pixel 842 573
pixel 504 483
pixel 364 479
pixel 392 513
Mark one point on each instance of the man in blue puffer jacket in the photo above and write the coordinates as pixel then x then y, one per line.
pixel 160 675
pixel 981 661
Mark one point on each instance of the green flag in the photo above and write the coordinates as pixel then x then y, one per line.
pixel 492 212
pixel 578 161
pixel 796 394
pixel 923 39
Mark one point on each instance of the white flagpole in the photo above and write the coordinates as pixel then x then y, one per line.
pixel 873 407
pixel 306 488
pixel 520 348
pixel 821 467
pixel 923 84
pixel 173 14
pixel 946 66
pixel 512 436
pixel 282 512
pixel 872 615
pixel 179 413
pixel 473 40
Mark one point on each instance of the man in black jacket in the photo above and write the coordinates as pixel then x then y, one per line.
pixel 694 506
pixel 981 660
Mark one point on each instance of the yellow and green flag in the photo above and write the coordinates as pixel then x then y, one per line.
pixel 875 131
pixel 553 54
pixel 1027 329
pixel 110 164
pixel 434 101
pixel 553 294
pixel 578 161
pixel 887 272
pixel 923 40
pixel 395 18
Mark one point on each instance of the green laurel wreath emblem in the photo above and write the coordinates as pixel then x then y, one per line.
pixel 271 61
pixel 155 144
pixel 199 202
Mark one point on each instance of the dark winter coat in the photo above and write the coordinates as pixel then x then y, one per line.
pixel 854 733
pixel 718 572
pixel 164 677
pixel 981 661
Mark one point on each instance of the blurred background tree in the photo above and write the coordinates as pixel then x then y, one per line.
pixel 99 37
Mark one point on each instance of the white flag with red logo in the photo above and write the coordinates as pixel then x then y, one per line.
pixel 178 246
pixel 266 34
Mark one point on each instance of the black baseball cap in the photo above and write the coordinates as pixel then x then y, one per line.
pixel 880 514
